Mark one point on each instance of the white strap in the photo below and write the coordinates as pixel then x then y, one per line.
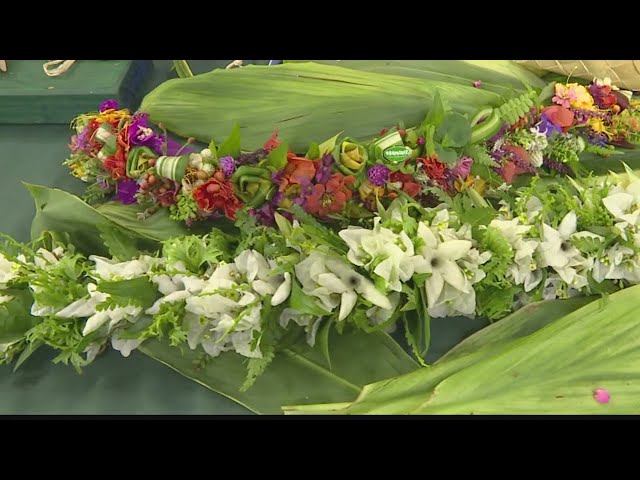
pixel 63 66
pixel 3 65
pixel 234 64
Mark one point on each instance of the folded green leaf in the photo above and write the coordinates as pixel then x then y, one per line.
pixel 406 393
pixel 295 375
pixel 304 102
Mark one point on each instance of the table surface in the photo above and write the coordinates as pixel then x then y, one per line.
pixel 112 384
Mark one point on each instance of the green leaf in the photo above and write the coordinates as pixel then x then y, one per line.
pixel 322 339
pixel 231 146
pixel 214 151
pixel 15 316
pixel 406 393
pixel 437 112
pixel 446 155
pixel 141 289
pixel 156 227
pixel 454 130
pixel 120 245
pixel 29 350
pixel 313 153
pixel 304 303
pixel 296 374
pixel 277 158
pixel 328 145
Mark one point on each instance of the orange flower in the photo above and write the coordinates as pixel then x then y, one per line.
pixel 217 195
pixel 330 197
pixel 559 116
pixel 299 171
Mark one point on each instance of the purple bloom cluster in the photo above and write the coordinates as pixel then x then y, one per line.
pixel 547 127
pixel 378 175
pixel 557 166
pixel 111 104
pixel 228 165
pixel 324 171
pixel 127 190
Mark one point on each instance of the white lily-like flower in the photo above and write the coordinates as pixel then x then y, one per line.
pixel 555 248
pixel 258 270
pixel 624 207
pixel 124 346
pixel 525 270
pixel 310 323
pixel 334 282
pixel 171 298
pixel 44 258
pixel 439 260
pixel 85 307
pixel 92 351
pixel 106 269
pixel 613 265
pixel 453 302
pixel 8 271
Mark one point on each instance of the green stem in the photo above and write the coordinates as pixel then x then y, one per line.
pixel 182 68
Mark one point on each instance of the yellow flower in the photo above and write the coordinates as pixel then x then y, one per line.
pixel 366 190
pixel 598 126
pixel 581 98
pixel 477 183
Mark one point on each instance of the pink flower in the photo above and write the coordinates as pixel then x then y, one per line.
pixel 564 95
pixel 601 395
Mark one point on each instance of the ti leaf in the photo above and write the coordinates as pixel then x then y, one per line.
pixel 454 131
pixel 231 146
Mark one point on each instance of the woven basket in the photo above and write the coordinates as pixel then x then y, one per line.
pixel 623 73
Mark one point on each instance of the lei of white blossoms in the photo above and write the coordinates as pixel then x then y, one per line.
pixel 223 307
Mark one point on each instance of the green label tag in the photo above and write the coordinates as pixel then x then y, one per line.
pixel 397 153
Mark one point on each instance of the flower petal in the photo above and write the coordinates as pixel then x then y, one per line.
pixel 568 225
pixel 454 249
pixel 347 303
pixel 283 291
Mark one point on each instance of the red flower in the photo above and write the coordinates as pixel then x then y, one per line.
pixel 272 143
pixel 330 197
pixel 409 185
pixel 559 116
pixel 299 171
pixel 434 169
pixel 217 195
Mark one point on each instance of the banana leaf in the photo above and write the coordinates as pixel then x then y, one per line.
pixel 500 76
pixel 305 102
pixel 87 227
pixel 297 374
pixel 410 393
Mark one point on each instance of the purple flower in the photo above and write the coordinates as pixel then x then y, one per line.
pixel 102 183
pixel 463 168
pixel 173 147
pixel 140 133
pixel 324 170
pixel 477 83
pixel 378 175
pixel 599 139
pixel 228 165
pixel 547 127
pixel 127 190
pixel 111 104
pixel 421 140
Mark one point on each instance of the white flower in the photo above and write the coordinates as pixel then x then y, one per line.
pixel 614 265
pixel 334 282
pixel 85 307
pixel 44 258
pixel 8 271
pixel 258 272
pixel 106 269
pixel 124 346
pixel 111 315
pixel 171 298
pixel 524 270
pixel 556 249
pixel 439 260
pixel 195 160
pixel 206 153
pixel 453 302
pixel 310 323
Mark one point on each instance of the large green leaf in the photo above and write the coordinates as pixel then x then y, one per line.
pixel 15 315
pixel 406 393
pixel 296 375
pixel 59 211
pixel 500 76
pixel 305 102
